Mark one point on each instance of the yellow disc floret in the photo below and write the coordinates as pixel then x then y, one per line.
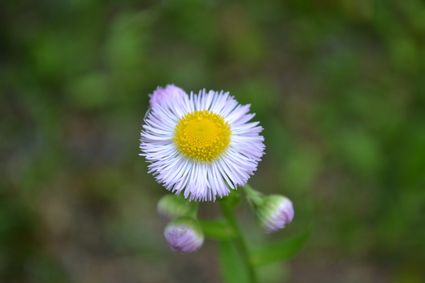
pixel 202 135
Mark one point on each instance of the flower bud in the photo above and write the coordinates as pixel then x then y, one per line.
pixel 274 213
pixel 184 235
pixel 172 206
pixel 168 93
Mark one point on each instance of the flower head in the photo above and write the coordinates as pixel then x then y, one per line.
pixel 201 144
pixel 274 213
pixel 161 95
pixel 184 235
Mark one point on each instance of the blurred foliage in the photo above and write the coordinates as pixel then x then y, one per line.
pixel 338 86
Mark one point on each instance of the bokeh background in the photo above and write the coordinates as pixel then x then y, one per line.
pixel 339 87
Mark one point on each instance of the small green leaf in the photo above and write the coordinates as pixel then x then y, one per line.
pixel 232 268
pixel 217 229
pixel 279 251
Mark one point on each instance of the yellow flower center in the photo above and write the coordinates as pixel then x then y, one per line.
pixel 202 135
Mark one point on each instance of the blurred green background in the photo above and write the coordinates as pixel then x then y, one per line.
pixel 339 87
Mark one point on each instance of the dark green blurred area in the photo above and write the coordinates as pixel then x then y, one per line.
pixel 339 87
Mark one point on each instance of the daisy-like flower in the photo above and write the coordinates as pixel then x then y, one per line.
pixel 201 144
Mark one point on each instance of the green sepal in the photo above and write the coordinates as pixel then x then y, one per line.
pixel 190 222
pixel 231 265
pixel 219 230
pixel 279 251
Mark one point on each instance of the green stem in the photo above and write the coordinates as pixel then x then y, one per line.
pixel 239 240
pixel 193 211
pixel 254 197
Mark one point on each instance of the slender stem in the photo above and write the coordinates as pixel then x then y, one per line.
pixel 193 211
pixel 240 242
pixel 254 197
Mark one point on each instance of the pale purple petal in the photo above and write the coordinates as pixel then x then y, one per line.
pixel 161 95
pixel 182 238
pixel 275 215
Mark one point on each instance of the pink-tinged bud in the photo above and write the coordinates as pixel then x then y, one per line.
pixel 274 213
pixel 161 95
pixel 184 235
